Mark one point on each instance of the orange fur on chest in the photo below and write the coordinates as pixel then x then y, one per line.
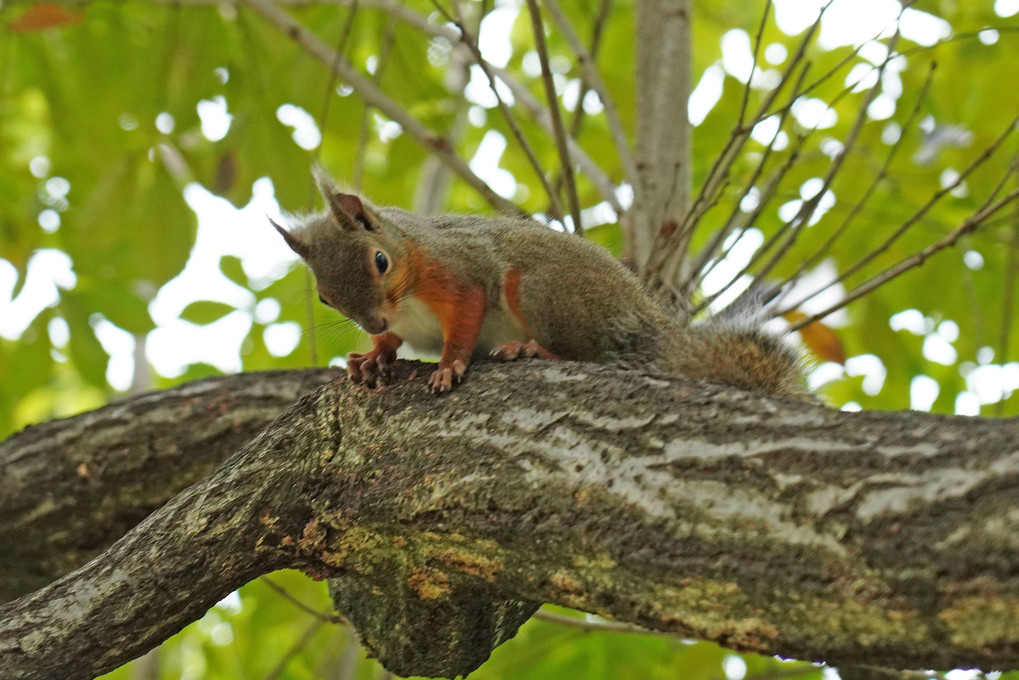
pixel 459 306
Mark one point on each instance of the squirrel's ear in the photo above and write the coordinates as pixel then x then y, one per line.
pixel 296 244
pixel 349 212
pixel 347 209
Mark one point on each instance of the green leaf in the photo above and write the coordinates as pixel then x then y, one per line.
pixel 232 269
pixel 87 353
pixel 205 311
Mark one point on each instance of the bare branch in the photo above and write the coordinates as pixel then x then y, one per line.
pixel 916 216
pixel 753 69
pixel 603 183
pixel 879 177
pixel 914 260
pixel 374 96
pixel 592 78
pixel 578 112
pixel 606 186
pixel 434 178
pixel 809 206
pixel 364 131
pixel 592 625
pixel 283 592
pixel 56 506
pixel 720 169
pixel 472 44
pixel 789 232
pixel 767 194
pixel 700 268
pixel 557 120
pixel 906 4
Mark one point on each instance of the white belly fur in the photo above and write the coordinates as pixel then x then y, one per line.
pixel 419 328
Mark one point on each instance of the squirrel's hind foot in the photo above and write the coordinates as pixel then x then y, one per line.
pixel 514 349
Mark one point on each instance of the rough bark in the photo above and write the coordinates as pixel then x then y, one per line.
pixel 71 487
pixel 768 526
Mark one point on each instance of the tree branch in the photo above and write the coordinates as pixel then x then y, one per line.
pixel 662 192
pixel 374 96
pixel 559 130
pixel 768 526
pixel 71 487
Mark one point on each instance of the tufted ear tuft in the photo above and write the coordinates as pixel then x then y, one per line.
pixel 296 244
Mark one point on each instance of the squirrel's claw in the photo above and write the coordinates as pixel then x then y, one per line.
pixel 384 363
pixel 368 369
pixel 360 368
pixel 443 379
pixel 514 349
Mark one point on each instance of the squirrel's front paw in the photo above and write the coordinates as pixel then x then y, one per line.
pixel 368 369
pixel 442 380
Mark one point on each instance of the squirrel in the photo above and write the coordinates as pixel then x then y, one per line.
pixel 465 286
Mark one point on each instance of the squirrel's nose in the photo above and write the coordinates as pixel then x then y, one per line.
pixel 375 325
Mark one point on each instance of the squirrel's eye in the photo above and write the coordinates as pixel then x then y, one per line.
pixel 381 262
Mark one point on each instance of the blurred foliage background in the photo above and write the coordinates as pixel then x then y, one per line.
pixel 142 144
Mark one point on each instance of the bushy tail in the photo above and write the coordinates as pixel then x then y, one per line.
pixel 733 353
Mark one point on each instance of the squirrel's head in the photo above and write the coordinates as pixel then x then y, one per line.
pixel 355 256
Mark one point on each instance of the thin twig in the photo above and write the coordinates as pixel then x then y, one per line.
pixel 302 642
pixel 914 218
pixel 871 188
pixel 557 130
pixel 906 4
pixel 326 618
pixel 472 44
pixel 593 79
pixel 723 164
pixel 364 131
pixel 557 119
pixel 603 183
pixel 433 179
pixel 671 248
pixel 577 121
pixel 788 233
pixel 592 625
pixel 809 206
pixel 373 95
pixel 767 194
pixel 597 31
pixel 605 186
pixel 700 268
pixel 737 139
pixel 770 190
pixel 327 99
pixel 912 261
pixel 753 68
pixel 957 37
